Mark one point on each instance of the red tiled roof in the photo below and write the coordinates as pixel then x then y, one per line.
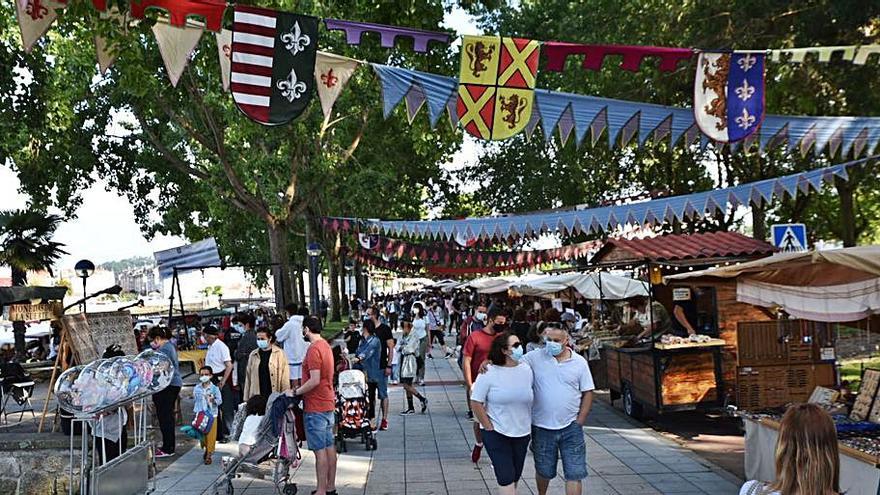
pixel 681 247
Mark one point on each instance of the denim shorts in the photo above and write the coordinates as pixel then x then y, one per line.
pixel 382 386
pixel 547 445
pixel 319 430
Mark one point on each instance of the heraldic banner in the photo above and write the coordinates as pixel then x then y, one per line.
pixel 273 63
pixel 729 95
pixel 496 85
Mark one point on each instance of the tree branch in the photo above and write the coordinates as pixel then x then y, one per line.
pixel 172 158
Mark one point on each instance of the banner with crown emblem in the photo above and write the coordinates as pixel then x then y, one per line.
pixel 729 95
pixel 496 91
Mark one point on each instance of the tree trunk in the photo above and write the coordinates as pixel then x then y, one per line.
pixel 360 287
pixel 333 279
pixel 759 222
pixel 847 212
pixel 18 330
pixel 294 289
pixel 343 287
pixel 280 270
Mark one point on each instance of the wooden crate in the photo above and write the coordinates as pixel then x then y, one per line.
pixel 769 343
pixel 760 387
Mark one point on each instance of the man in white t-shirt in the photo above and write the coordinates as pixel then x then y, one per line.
pixel 220 362
pixel 290 337
pixel 563 388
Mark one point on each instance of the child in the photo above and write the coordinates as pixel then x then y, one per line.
pixel 256 409
pixel 207 398
pixel 395 364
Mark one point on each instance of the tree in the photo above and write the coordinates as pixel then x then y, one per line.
pixel 25 245
pixel 217 173
pixel 593 174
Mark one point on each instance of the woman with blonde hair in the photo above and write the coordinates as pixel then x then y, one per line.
pixel 807 460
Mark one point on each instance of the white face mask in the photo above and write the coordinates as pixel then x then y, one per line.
pixel 204 379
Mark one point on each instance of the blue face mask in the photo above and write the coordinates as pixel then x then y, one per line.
pixel 263 344
pixel 553 348
pixel 517 353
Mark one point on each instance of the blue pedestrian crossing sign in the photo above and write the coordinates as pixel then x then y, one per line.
pixel 790 237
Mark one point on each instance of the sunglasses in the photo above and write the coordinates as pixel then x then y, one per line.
pixel 515 345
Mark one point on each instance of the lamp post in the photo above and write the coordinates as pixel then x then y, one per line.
pixel 84 269
pixel 313 250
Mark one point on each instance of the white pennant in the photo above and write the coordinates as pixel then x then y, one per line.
pixel 224 51
pixel 332 72
pixel 176 44
pixel 106 57
pixel 35 17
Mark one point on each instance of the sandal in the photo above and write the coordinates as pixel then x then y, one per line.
pixel 208 461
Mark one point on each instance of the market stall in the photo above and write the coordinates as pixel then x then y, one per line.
pixel 789 360
pixel 675 373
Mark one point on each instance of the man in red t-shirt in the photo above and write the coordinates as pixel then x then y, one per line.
pixel 320 404
pixel 476 351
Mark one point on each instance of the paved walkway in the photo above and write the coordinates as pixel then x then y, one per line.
pixel 430 454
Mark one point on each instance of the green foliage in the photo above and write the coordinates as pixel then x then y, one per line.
pixel 26 242
pixel 555 175
pixel 190 163
pixel 127 263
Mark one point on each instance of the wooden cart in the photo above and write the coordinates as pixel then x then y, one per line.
pixel 666 378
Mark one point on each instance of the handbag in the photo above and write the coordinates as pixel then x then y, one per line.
pixel 203 422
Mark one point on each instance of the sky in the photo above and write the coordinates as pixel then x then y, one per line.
pixel 105 228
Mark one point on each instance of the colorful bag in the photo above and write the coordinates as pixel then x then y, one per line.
pixel 203 422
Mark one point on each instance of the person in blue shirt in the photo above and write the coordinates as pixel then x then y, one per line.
pixel 367 359
pixel 207 398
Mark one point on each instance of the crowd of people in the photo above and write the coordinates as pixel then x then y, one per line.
pixel 498 344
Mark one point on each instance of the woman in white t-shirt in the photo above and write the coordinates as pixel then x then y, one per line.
pixel 807 458
pixel 501 399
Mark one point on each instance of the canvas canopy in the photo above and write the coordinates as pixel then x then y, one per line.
pixel 831 286
pixel 589 285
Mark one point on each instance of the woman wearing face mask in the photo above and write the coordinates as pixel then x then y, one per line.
pixel 420 333
pixel 503 407
pixel 267 369
pixel 165 399
pixel 409 348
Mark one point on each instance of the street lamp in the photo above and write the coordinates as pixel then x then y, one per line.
pixel 313 249
pixel 84 269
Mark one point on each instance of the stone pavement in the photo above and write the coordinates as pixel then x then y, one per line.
pixel 430 454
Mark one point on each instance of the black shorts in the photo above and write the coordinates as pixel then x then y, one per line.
pixel 406 381
pixel 438 334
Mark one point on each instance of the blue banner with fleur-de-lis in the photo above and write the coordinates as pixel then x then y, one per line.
pixel 729 95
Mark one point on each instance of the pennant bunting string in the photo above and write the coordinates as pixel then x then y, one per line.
pixel 355 30
pixel 603 219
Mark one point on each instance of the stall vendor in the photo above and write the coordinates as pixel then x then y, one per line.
pixel 653 325
pixel 684 309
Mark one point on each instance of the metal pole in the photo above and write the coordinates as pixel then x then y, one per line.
pixel 84 295
pixel 171 299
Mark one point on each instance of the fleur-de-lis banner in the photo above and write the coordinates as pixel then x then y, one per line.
pixel 496 91
pixel 273 63
pixel 35 17
pixel 332 72
pixel 729 95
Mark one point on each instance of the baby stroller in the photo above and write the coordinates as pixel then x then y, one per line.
pixel 276 444
pixel 351 410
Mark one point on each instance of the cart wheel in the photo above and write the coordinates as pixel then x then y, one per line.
pixel 290 489
pixel 344 446
pixel 632 408
pixel 374 444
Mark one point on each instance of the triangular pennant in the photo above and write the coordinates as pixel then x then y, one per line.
pixel 35 17
pixel 224 54
pixel 551 109
pixel 395 85
pixel 598 125
pixel 566 125
pixel 414 100
pixel 332 73
pixel 104 53
pixel 176 44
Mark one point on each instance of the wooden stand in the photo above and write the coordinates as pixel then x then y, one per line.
pixel 60 360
